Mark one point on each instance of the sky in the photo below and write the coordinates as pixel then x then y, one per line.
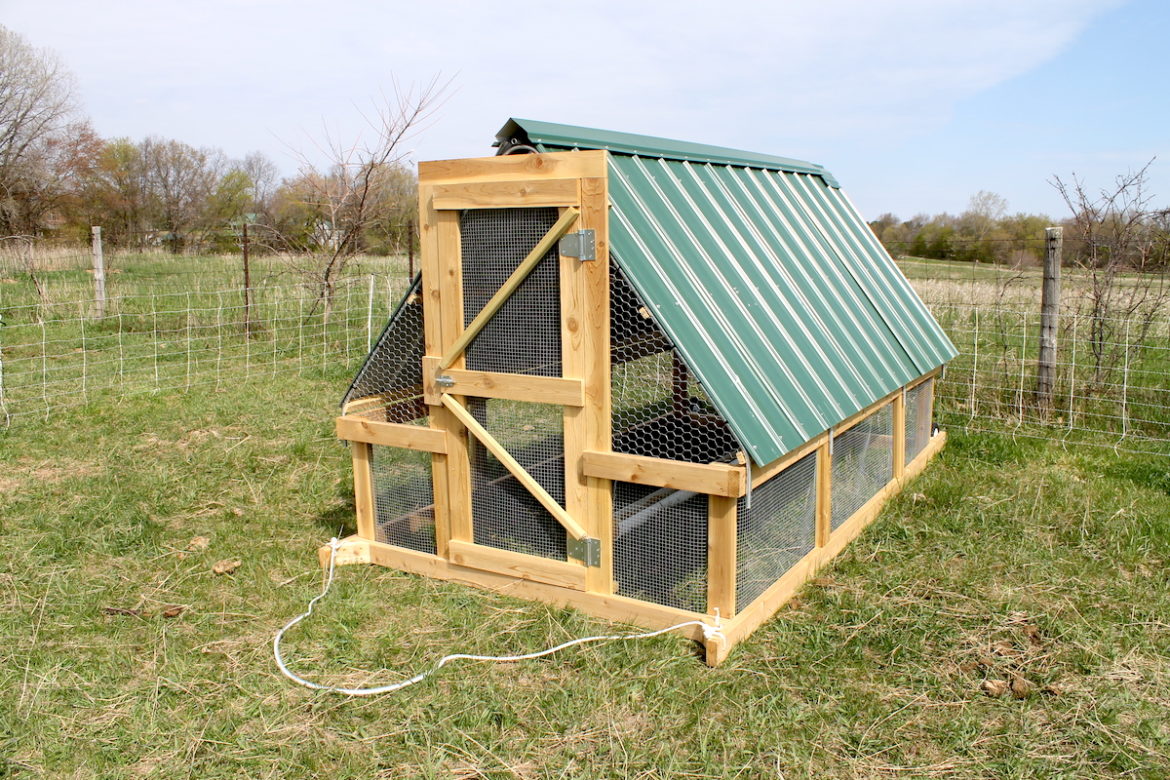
pixel 914 105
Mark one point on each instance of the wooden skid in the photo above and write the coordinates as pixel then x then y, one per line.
pixel 606 606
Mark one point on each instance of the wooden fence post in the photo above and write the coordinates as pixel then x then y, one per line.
pixel 247 283
pixel 409 252
pixel 1049 319
pixel 99 272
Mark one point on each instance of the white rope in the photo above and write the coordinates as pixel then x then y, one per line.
pixel 709 632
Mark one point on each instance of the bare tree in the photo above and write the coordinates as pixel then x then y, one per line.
pixel 36 102
pixel 180 183
pixel 341 200
pixel 1121 244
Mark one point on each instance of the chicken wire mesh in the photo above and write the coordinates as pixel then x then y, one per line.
pixel 524 337
pixel 505 514
pixel 863 463
pixel 404 498
pixel 660 545
pixel 777 530
pixel 918 419
pixel 659 409
pixel 391 377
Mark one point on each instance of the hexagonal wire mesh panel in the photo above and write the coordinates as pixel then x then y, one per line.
pixel 660 545
pixel 504 513
pixel 404 499
pixel 863 463
pixel 777 530
pixel 659 409
pixel 524 336
pixel 918 419
pixel 391 376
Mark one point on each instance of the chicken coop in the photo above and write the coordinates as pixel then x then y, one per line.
pixel 653 380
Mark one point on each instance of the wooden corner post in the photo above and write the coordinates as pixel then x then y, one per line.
pixel 363 489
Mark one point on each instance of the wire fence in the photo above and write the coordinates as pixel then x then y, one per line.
pixel 1111 380
pixel 174 325
pixel 55 355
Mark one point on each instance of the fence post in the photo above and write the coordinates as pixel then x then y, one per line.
pixel 409 252
pixel 247 284
pixel 370 317
pixel 99 271
pixel 3 403
pixel 1049 319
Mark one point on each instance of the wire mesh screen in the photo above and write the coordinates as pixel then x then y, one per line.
pixel 660 545
pixel 659 409
pixel 918 419
pixel 404 498
pixel 505 514
pixel 863 463
pixel 777 530
pixel 391 377
pixel 524 337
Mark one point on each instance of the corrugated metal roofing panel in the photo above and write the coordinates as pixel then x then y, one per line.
pixel 776 293
pixel 547 136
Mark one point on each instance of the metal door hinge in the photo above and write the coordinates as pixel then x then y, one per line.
pixel 445 382
pixel 587 550
pixel 581 245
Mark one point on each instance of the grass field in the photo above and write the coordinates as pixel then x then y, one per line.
pixel 123 655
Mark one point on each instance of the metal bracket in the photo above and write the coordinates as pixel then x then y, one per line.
pixel 444 382
pixel 587 550
pixel 581 245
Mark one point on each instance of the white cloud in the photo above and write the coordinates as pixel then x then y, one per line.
pixel 781 77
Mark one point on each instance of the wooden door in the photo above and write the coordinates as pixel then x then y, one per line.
pixel 512 371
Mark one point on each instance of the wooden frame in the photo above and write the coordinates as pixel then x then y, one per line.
pixel 717 479
pixel 509 387
pixel 576 184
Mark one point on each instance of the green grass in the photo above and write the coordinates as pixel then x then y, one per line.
pixel 1006 558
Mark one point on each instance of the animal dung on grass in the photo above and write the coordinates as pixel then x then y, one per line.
pixel 226 566
pixel 644 377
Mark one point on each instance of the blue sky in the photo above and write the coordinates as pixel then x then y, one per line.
pixel 914 104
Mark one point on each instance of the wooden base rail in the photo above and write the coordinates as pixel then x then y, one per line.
pixel 619 609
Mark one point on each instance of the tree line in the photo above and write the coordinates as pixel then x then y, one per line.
pixel 1116 227
pixel 58 177
pixel 984 232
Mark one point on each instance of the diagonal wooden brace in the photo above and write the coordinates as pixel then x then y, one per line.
pixel 574 529
pixel 505 292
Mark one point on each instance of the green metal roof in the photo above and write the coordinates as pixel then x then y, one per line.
pixel 547 137
pixel 774 290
